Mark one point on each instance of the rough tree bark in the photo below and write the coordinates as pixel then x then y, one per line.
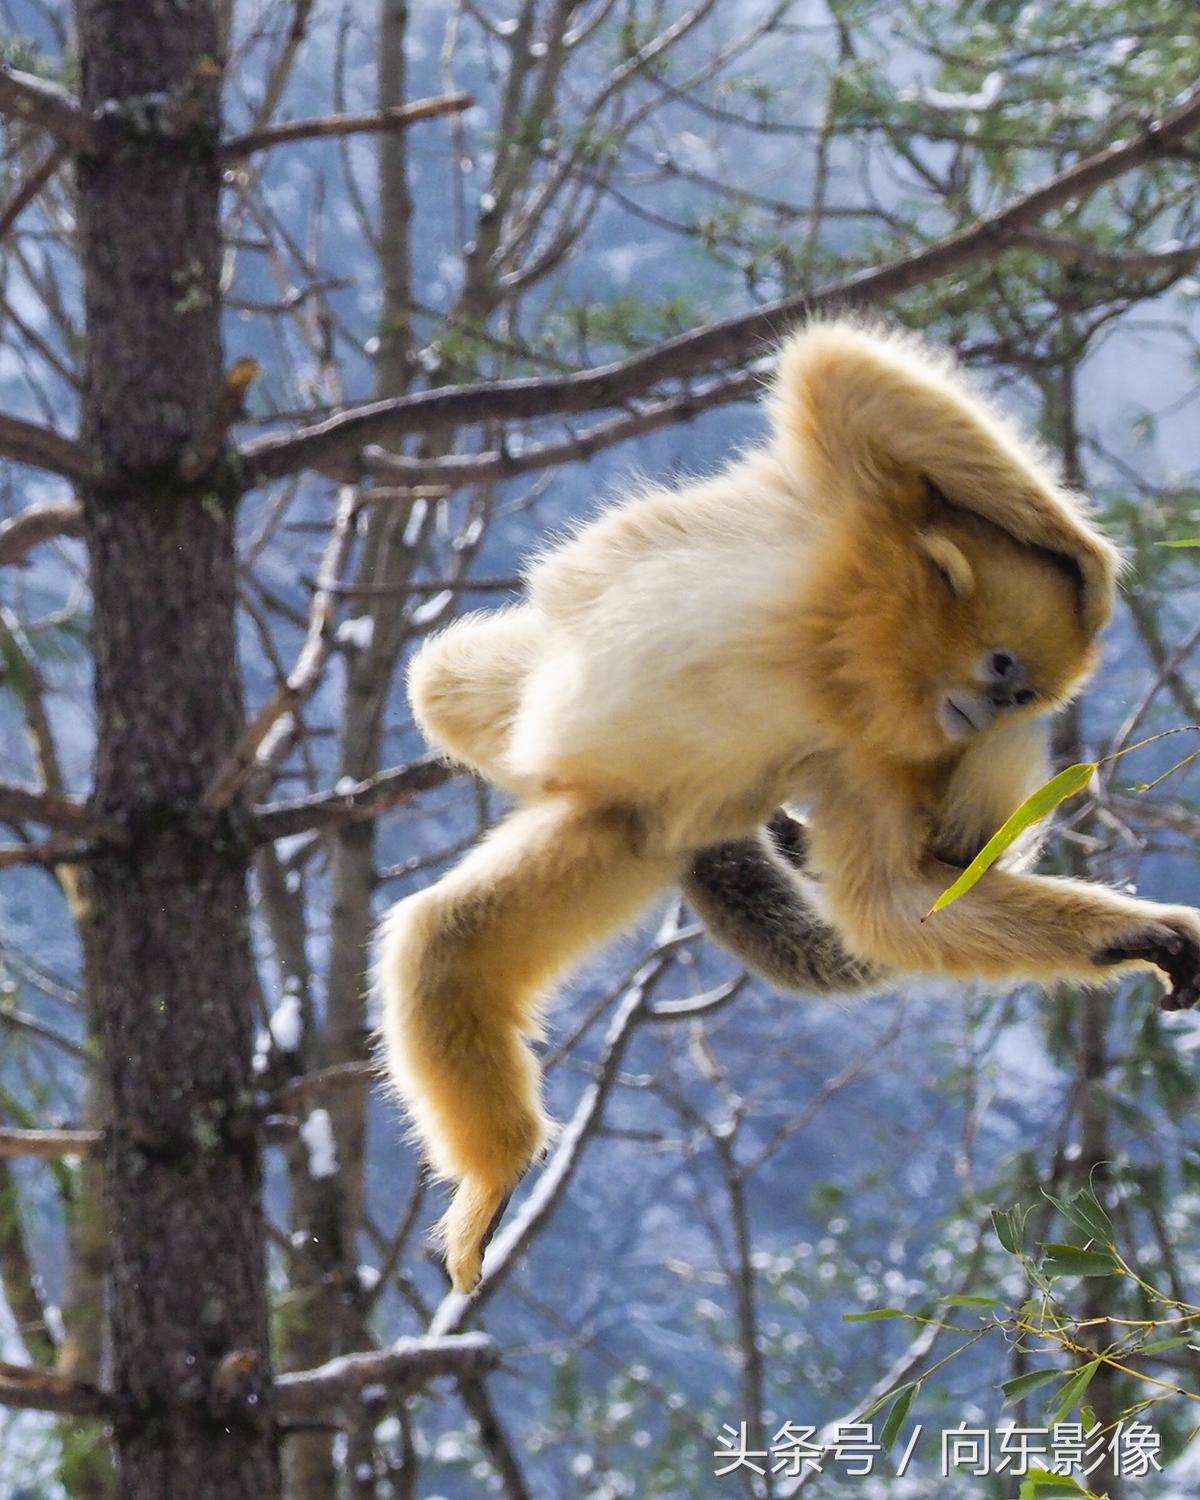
pixel 167 954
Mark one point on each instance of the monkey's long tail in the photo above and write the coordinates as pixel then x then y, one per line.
pixel 462 969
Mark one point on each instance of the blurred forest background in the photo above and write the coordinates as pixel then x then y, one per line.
pixel 652 188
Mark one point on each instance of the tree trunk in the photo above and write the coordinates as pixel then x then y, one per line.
pixel 167 954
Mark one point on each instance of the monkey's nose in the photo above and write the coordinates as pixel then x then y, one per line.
pixel 1007 679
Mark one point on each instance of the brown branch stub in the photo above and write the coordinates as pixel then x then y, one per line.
pixel 36 1389
pixel 29 528
pixel 365 799
pixel 24 96
pixel 209 446
pixel 335 445
pixel 27 443
pixel 407 1365
pixel 397 118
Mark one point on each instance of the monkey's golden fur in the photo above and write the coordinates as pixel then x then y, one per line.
pixel 798 628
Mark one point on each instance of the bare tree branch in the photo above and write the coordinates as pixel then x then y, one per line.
pixel 408 1364
pixel 24 96
pixel 20 804
pixel 50 852
pixel 365 799
pixel 347 1075
pixel 330 126
pixel 26 443
pixel 21 533
pixel 1073 251
pixel 265 738
pixel 37 179
pixel 337 442
pixel 35 1389
pixel 461 469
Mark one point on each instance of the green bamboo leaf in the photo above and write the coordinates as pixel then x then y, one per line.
pixel 1070 1260
pixel 1162 1346
pixel 1037 806
pixel 1190 541
pixel 1071 1393
pixel 1005 1232
pixel 1087 1213
pixel 897 1415
pixel 1021 1385
pixel 962 1299
pixel 876 1315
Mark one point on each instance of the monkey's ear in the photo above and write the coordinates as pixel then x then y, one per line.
pixel 950 562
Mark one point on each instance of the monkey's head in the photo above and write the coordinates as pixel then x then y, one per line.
pixel 934 633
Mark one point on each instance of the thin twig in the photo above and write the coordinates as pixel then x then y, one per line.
pixel 365 799
pixel 37 179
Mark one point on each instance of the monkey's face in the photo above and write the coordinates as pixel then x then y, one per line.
pixel 1011 637
pixel 938 634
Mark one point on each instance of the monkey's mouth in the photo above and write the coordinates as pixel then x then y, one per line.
pixel 962 714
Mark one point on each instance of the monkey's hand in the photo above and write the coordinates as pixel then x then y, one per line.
pixel 1173 947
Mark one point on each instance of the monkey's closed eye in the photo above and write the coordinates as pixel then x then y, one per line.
pixel 949 563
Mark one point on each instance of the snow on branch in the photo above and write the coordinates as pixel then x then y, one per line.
pixel 308 1395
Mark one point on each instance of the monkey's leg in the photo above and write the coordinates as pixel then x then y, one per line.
pixel 754 904
pixel 462 969
pixel 465 684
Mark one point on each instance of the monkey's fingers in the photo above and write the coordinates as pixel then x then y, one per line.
pixel 1175 951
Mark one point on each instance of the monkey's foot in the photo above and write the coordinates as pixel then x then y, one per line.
pixel 466 1231
pixel 1176 952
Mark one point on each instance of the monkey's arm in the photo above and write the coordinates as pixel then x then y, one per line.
pixel 751 897
pixel 1009 926
pixel 856 408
